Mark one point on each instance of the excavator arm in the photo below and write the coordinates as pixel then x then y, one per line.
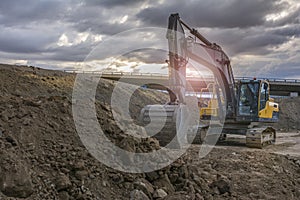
pixel 181 49
pixel 177 60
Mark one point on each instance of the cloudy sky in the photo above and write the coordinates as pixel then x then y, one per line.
pixel 260 36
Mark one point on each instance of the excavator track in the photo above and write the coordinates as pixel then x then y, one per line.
pixel 260 137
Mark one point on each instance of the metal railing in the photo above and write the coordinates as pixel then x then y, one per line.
pixel 116 73
pixel 279 80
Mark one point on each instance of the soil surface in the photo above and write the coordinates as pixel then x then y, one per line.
pixel 42 156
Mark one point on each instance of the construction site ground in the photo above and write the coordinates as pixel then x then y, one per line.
pixel 42 157
pixel 287 143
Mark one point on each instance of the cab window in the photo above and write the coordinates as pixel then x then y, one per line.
pixel 248 96
pixel 264 95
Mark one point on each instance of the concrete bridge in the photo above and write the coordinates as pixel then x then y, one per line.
pixel 278 86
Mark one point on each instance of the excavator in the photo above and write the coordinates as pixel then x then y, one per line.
pixel 244 107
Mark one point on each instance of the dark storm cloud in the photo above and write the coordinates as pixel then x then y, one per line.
pixel 76 53
pixel 232 13
pixel 147 56
pixel 104 28
pixel 13 12
pixel 258 45
pixel 114 3
pixel 290 31
pixel 285 70
pixel 254 40
pixel 99 19
pixel 62 54
pixel 30 28
pixel 26 41
pixel 292 17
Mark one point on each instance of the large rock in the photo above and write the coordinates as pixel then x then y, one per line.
pixel 81 175
pixel 165 183
pixel 144 185
pixel 16 181
pixel 179 196
pixel 151 176
pixel 160 193
pixel 62 182
pixel 138 195
pixel 183 172
pixel 222 184
pixel 63 195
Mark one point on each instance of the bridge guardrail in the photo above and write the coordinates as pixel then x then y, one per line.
pixel 117 73
pixel 279 80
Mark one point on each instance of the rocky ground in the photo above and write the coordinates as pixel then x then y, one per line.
pixel 42 157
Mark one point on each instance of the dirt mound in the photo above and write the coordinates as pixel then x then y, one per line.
pixel 289 114
pixel 42 157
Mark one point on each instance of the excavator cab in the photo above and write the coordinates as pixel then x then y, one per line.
pixel 248 94
pixel 254 102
